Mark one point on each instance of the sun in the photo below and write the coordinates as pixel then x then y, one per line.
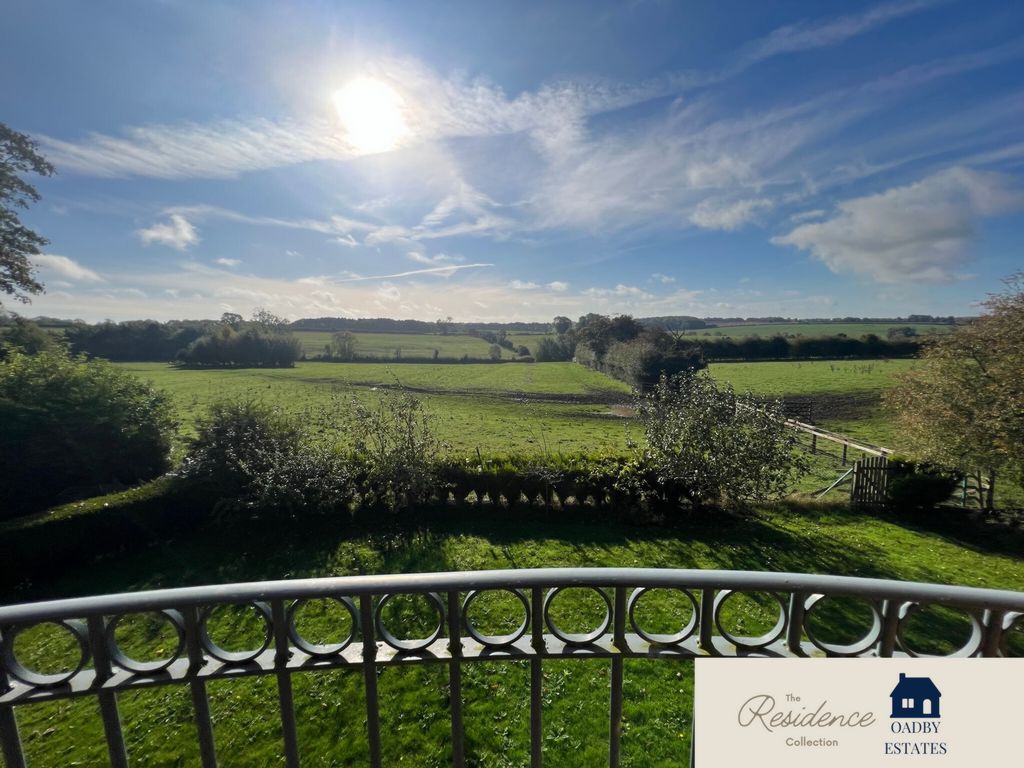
pixel 371 112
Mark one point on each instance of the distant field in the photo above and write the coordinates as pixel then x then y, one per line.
pixel 531 408
pixel 393 345
pixel 527 408
pixel 801 377
pixel 853 330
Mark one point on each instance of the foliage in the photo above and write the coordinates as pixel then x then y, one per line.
pixel 255 456
pixel 549 350
pixel 136 340
pixel 919 485
pixel 25 336
pixel 18 155
pixel 343 346
pixel 964 406
pixel 642 361
pixel 394 441
pixel 251 347
pixel 709 444
pixel 69 422
pixel 494 352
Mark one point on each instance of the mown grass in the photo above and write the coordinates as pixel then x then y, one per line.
pixel 811 377
pixel 389 346
pixel 657 711
pixel 509 408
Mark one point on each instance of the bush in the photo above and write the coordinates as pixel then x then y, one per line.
pixel 248 348
pixel 396 449
pixel 255 457
pixel 71 423
pixel 919 486
pixel 704 443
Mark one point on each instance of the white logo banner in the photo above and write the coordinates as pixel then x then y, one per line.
pixel 857 712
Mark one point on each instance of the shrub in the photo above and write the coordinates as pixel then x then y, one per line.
pixel 73 423
pixel 550 350
pixel 396 449
pixel 256 457
pixel 248 348
pixel 919 486
pixel 704 443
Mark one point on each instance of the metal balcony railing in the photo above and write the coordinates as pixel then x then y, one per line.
pixel 104 669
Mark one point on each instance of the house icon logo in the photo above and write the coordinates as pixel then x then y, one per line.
pixel 915 697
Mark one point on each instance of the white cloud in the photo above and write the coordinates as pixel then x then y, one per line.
pixel 66 268
pixel 519 285
pixel 441 258
pixel 818 34
pixel 434 107
pixel 727 216
pixel 620 290
pixel 229 262
pixel 558 286
pixel 920 231
pixel 347 240
pixel 663 279
pixel 177 232
pixel 799 218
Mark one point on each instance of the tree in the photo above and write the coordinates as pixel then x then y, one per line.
pixel 71 424
pixel 267 319
pixel 25 336
pixel 343 345
pixel 232 319
pixel 18 155
pixel 443 325
pixel 707 444
pixel 561 325
pixel 494 352
pixel 964 406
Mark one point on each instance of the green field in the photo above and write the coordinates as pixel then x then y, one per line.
pixel 853 330
pixel 534 408
pixel 504 408
pixel 390 346
pixel 815 377
pixel 330 705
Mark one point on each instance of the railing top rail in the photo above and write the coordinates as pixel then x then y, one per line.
pixel 996 599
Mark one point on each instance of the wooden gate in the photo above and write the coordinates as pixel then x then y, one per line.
pixel 870 480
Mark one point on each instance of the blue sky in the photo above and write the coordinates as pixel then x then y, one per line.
pixel 516 161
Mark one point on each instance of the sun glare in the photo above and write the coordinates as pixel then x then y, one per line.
pixel 371 114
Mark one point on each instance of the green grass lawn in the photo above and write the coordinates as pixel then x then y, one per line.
pixel 530 408
pixel 330 706
pixel 811 377
pixel 853 330
pixel 388 346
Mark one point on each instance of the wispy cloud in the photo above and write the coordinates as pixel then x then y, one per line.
pixel 66 268
pixel 177 232
pixel 920 231
pixel 229 262
pixel 435 108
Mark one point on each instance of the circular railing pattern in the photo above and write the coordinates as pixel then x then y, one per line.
pixel 495 641
pixel 670 615
pixel 121 659
pixel 661 638
pixel 433 599
pixel 322 650
pixel 970 647
pixel 236 657
pixel 750 643
pixel 577 638
pixel 25 674
pixel 858 647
